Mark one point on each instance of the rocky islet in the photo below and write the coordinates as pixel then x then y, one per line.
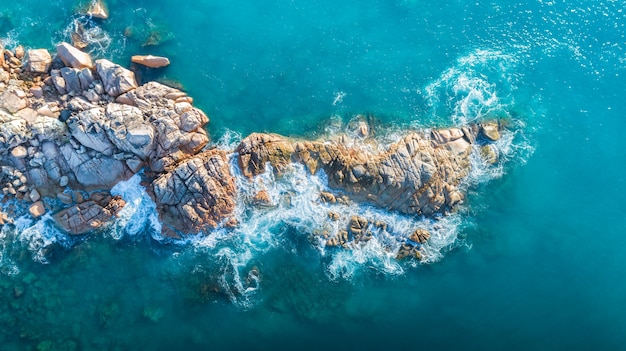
pixel 71 128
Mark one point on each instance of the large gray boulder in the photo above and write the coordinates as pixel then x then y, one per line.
pixel 128 130
pixel 89 128
pixel 116 79
pixel 178 125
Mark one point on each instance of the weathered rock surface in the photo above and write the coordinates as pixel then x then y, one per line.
pixel 196 195
pixel 39 60
pixel 177 124
pixel 90 214
pixel 417 175
pixel 72 57
pixel 80 128
pixel 97 9
pixel 116 79
pixel 150 61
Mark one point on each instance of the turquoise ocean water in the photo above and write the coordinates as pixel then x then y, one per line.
pixel 534 260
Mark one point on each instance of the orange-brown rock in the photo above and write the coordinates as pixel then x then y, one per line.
pixel 416 175
pixel 150 61
pixel 89 215
pixel 97 9
pixel 420 236
pixel 197 194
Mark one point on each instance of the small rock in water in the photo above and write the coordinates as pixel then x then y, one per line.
pixel 97 9
pixel 490 131
pixel 262 199
pixel 420 236
pixel 488 154
pixel 151 61
pixel 65 198
pixel 37 210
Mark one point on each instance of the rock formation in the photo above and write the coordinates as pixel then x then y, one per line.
pixel 151 61
pixel 68 134
pixel 416 175
pixel 89 127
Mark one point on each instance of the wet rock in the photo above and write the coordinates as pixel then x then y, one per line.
pixel 97 9
pixel 490 131
pixel 5 219
pixel 416 175
pixel 73 57
pixel 488 154
pixel 420 236
pixel 37 209
pixel 327 197
pixel 19 52
pixel 65 198
pixel 262 199
pixel 197 194
pixel 407 250
pixel 89 215
pixel 151 61
pixel 39 60
pixel 117 80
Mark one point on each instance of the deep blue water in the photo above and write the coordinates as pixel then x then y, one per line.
pixel 538 261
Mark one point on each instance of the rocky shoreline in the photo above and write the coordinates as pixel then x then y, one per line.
pixel 71 128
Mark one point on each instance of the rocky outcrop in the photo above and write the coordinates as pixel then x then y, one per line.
pixel 90 214
pixel 68 134
pixel 417 175
pixel 197 194
pixel 151 61
pixel 63 134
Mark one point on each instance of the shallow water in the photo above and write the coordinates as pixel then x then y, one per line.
pixel 536 260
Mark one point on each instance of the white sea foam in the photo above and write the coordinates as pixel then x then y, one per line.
pixel 98 39
pixel 39 234
pixel 478 86
pixel 139 215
